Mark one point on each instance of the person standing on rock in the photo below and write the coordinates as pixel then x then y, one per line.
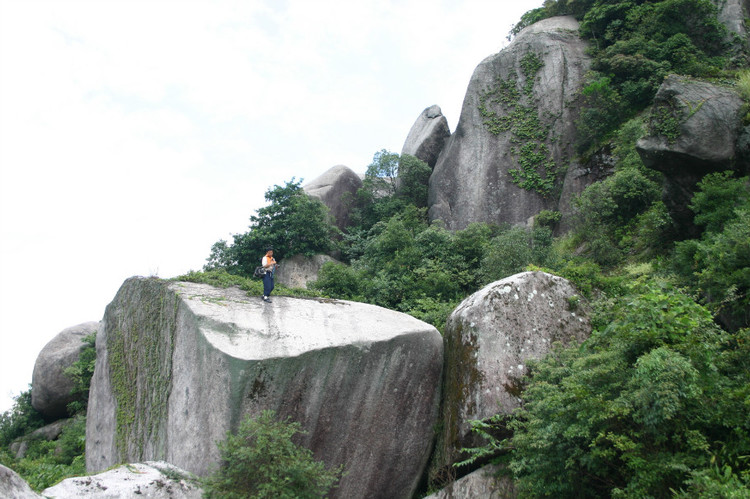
pixel 269 263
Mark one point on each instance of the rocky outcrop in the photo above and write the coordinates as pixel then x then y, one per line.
pixel 336 189
pixel 155 480
pixel 12 486
pixel 507 159
pixel 49 432
pixel 732 15
pixel 50 386
pixel 484 483
pixel 179 364
pixel 489 338
pixel 427 136
pixel 693 130
pixel 297 271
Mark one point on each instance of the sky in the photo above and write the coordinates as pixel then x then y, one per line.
pixel 135 134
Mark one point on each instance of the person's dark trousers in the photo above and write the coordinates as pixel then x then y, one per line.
pixel 267 284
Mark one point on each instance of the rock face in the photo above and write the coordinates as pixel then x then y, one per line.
pixel 156 480
pixel 297 271
pixel 50 387
pixel 732 15
pixel 489 338
pixel 336 189
pixel 12 486
pixel 694 128
pixel 483 483
pixel 427 136
pixel 507 159
pixel 179 364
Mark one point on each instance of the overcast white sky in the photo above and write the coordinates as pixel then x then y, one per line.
pixel 135 134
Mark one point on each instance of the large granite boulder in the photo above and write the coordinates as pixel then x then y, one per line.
pixel 336 189
pixel 484 483
pixel 427 136
pixel 50 386
pixel 155 480
pixel 180 364
pixel 12 486
pixel 694 129
pixel 297 271
pixel 489 338
pixel 514 141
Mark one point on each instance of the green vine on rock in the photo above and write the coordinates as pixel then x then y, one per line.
pixel 507 107
pixel 530 157
pixel 140 363
pixel 667 117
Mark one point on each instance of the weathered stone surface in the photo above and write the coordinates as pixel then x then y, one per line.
pixel 489 338
pixel 472 180
pixel 427 136
pixel 481 484
pixel 336 189
pixel 709 124
pixel 49 432
pixel 297 271
pixel 156 480
pixel 12 486
pixel 180 364
pixel 732 15
pixel 50 387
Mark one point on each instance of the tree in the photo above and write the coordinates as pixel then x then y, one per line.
pixel 19 420
pixel 261 461
pixel 292 223
pixel 376 200
pixel 413 180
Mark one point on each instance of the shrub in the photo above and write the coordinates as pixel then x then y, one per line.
pixel 717 198
pixel 606 209
pixel 81 372
pixel 722 271
pixel 261 461
pixel 19 420
pixel 337 280
pixel 601 113
pixel 48 462
pixel 511 251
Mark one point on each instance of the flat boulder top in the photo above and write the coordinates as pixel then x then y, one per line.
pixel 245 327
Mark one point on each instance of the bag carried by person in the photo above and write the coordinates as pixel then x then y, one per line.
pixel 259 272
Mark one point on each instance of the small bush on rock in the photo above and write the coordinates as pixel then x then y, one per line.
pixel 261 461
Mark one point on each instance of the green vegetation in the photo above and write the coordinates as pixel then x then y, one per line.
pixel 654 404
pixel 45 462
pixel 508 106
pixel 81 373
pixel 634 45
pixel 293 223
pixel 261 461
pixel 21 419
pixel 48 462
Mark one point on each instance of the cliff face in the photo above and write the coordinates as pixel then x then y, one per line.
pixel 180 364
pixel 513 145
